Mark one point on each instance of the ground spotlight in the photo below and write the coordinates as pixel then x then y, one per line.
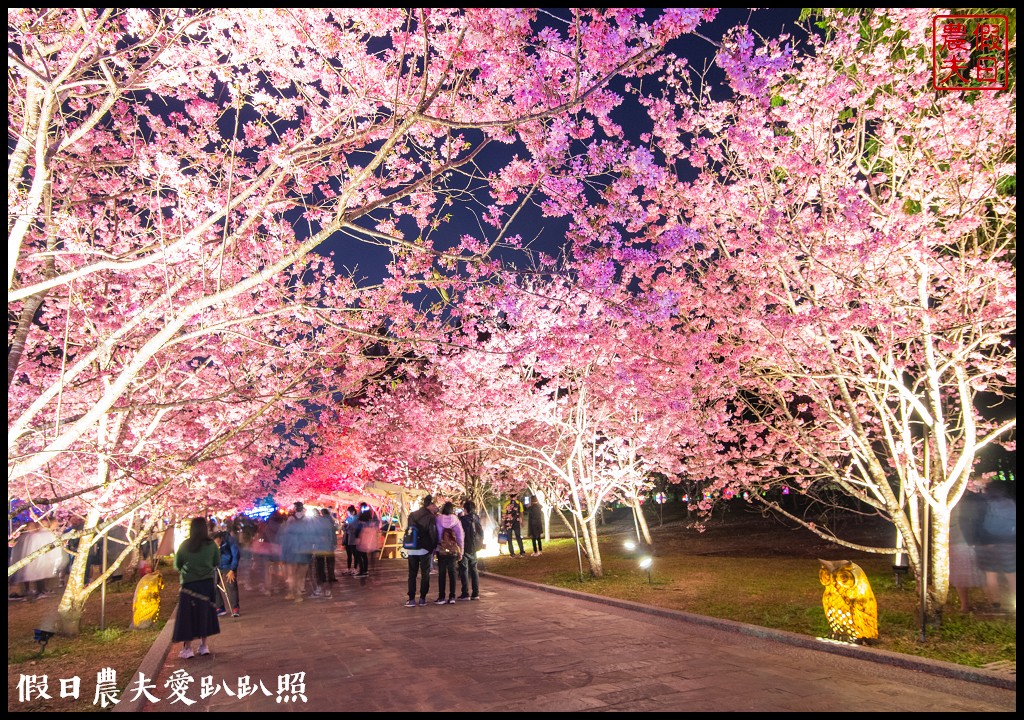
pixel 42 637
pixel 645 564
pixel 629 545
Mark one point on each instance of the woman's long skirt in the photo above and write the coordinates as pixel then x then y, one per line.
pixel 197 612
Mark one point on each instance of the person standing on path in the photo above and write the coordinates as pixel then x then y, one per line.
pixel 325 542
pixel 535 525
pixel 269 544
pixel 348 538
pixel 230 556
pixel 450 549
pixel 196 560
pixel 512 522
pixel 419 557
pixel 296 552
pixel 473 532
pixel 331 559
pixel 367 541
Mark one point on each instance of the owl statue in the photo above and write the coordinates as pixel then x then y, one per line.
pixel 146 603
pixel 848 601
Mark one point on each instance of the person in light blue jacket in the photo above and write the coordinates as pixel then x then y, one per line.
pixel 297 551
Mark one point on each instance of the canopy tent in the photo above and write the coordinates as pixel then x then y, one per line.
pixel 392 503
pixel 388 500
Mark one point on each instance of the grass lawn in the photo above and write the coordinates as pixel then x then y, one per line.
pixel 116 647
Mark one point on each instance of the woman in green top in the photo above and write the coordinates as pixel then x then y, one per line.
pixel 197 560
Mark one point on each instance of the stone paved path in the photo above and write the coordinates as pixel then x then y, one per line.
pixel 523 649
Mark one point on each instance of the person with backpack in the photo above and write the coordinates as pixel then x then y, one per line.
pixel 473 534
pixel 450 549
pixel 421 539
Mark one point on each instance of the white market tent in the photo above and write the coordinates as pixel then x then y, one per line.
pixel 388 500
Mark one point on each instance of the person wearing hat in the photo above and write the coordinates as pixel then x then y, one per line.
pixel 424 520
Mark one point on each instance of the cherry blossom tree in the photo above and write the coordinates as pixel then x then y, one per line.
pixel 416 434
pixel 571 398
pixel 853 232
pixel 172 171
pixel 195 436
pixel 178 229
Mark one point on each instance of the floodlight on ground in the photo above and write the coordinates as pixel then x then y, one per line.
pixel 42 637
pixel 629 545
pixel 645 564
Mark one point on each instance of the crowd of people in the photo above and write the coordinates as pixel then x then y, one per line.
pixel 295 555
pixel 284 553
pixel 454 540
pixel 289 553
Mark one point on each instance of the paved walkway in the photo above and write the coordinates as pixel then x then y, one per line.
pixel 522 648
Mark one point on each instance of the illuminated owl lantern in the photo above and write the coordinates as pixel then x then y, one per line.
pixel 146 604
pixel 848 601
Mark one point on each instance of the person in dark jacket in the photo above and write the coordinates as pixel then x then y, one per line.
pixel 535 525
pixel 229 557
pixel 348 539
pixel 419 558
pixel 473 534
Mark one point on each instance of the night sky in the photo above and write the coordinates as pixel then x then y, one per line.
pixel 547 234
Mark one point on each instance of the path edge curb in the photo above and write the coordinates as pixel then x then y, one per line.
pixel 150 665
